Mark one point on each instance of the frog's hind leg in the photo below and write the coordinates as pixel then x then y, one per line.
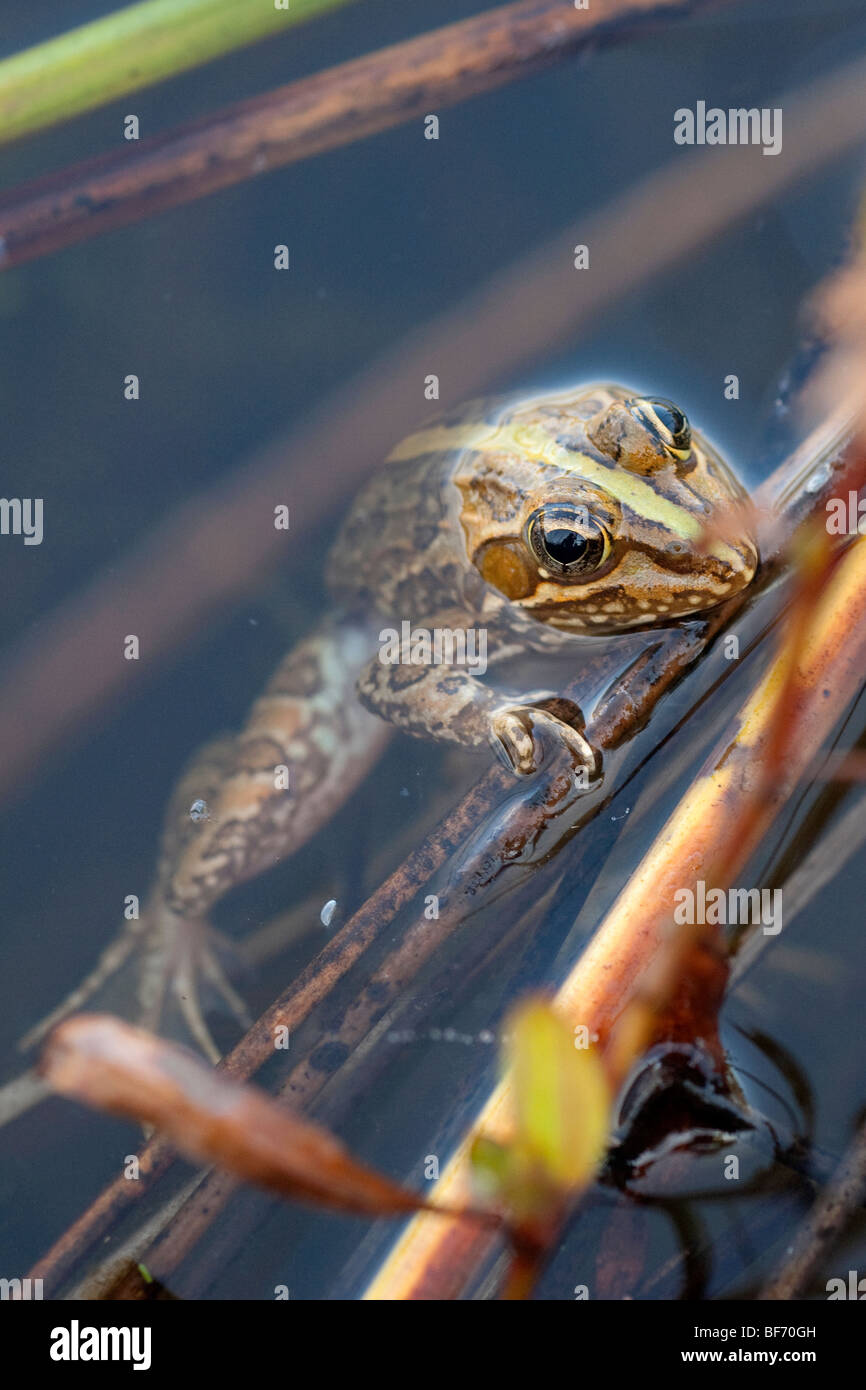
pixel 182 955
pixel 245 802
pixel 305 746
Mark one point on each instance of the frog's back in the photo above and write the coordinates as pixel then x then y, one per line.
pixel 459 516
pixel 400 549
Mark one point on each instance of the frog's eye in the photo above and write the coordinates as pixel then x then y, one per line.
pixel 665 421
pixel 644 434
pixel 567 540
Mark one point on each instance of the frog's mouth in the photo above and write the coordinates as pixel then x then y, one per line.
pixel 644 591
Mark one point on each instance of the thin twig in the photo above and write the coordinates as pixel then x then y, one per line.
pixel 307 117
pixel 825 1223
pixel 129 49
pixel 110 1065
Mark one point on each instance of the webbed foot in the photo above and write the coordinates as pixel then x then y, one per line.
pixel 185 956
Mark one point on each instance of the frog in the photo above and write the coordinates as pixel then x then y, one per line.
pixel 534 520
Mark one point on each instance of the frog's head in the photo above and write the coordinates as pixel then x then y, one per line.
pixel 601 510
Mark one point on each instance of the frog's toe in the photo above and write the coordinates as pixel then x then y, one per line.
pixel 512 732
pixel 190 963
pixel 586 759
pixel 526 737
pixel 203 968
pixel 214 972
pixel 186 991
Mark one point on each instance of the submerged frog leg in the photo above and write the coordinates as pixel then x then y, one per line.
pixel 216 975
pixel 185 954
pixel 306 745
pixel 245 802
pixel 447 702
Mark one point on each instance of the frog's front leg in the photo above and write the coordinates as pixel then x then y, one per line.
pixel 445 700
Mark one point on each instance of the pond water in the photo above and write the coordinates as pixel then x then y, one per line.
pixel 385 234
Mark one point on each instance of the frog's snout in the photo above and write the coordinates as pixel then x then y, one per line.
pixel 728 567
pixel 745 566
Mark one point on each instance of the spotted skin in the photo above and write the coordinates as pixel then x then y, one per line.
pixel 440 535
pixel 537 521
pixel 307 721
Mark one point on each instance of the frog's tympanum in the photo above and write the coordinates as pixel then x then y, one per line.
pixel 535 522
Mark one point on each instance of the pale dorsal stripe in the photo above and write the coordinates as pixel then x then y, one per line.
pixel 529 441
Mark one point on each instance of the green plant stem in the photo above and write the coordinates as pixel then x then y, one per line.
pixel 130 49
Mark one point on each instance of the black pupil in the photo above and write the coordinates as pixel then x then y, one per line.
pixel 564 546
pixel 672 419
